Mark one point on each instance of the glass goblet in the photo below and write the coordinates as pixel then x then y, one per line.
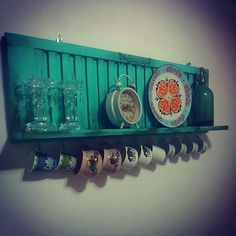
pixel 37 88
pixel 70 91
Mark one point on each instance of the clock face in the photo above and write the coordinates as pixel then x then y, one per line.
pixel 128 106
pixel 124 107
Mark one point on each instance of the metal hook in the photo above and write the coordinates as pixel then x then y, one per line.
pixel 59 38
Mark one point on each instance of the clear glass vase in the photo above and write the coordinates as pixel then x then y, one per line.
pixel 71 87
pixel 37 89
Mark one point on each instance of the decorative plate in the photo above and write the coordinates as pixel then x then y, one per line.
pixel 170 96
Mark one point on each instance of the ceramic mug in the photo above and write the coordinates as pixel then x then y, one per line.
pixel 145 155
pixel 195 148
pixel 112 160
pixel 200 145
pixel 42 161
pixel 130 158
pixel 92 163
pixel 167 147
pixel 171 151
pixel 67 161
pixel 180 148
pixel 190 147
pixel 158 154
pixel 81 164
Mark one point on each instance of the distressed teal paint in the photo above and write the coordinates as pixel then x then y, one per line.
pixel 140 83
pixel 112 74
pixel 102 93
pixel 122 69
pixel 147 112
pixel 82 98
pixel 92 93
pixel 56 97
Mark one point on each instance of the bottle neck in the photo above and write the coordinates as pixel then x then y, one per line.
pixel 202 79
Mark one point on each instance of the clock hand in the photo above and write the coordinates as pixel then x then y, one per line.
pixel 132 109
pixel 125 107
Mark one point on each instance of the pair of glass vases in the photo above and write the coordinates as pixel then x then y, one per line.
pixel 39 97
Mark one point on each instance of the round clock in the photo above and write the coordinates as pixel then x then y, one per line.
pixel 123 105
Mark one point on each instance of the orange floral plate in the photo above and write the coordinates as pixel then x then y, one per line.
pixel 170 96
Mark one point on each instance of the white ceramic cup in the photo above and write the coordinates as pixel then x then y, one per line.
pixel 195 148
pixel 158 154
pixel 183 150
pixel 131 158
pixel 167 147
pixel 204 148
pixel 190 147
pixel 200 145
pixel 171 151
pixel 180 148
pixel 145 156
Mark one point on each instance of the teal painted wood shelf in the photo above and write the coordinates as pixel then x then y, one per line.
pixel 114 132
pixel 96 70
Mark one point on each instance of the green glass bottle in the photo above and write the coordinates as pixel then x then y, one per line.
pixel 203 103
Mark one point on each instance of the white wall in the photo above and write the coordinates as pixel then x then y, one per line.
pixel 187 198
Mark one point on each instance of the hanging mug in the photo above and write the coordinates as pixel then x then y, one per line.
pixel 67 161
pixel 158 154
pixel 190 147
pixel 42 161
pixel 112 160
pixel 199 145
pixel 162 147
pixel 180 148
pixel 130 158
pixel 145 155
pixel 81 164
pixel 93 163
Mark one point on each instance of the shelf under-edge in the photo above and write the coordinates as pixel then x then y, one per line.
pixel 21 136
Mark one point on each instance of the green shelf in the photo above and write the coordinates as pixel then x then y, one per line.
pixel 113 132
pixel 96 69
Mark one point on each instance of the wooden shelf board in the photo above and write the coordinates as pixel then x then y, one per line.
pixel 18 136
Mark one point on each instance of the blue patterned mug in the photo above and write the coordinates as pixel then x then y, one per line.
pixel 42 161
